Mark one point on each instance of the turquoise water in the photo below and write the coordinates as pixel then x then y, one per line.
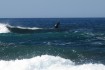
pixel 78 43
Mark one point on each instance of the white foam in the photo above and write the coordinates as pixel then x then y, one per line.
pixel 3 28
pixel 31 28
pixel 47 62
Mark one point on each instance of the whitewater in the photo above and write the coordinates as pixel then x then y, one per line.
pixel 3 28
pixel 47 62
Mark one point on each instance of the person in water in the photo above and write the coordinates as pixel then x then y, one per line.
pixel 57 25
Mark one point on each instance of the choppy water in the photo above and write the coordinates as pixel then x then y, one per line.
pixel 79 44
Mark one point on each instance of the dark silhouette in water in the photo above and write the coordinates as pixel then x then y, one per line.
pixel 57 25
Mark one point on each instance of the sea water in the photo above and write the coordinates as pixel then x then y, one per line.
pixel 78 44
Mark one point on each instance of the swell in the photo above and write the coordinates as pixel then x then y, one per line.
pixel 22 30
pixel 6 28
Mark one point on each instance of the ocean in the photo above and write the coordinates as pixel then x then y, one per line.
pixel 34 44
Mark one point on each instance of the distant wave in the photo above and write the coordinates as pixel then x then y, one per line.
pixel 6 28
pixel 47 62
pixel 3 28
pixel 18 29
pixel 30 28
pixel 23 30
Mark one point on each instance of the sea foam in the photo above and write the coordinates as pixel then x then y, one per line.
pixel 3 28
pixel 47 62
pixel 20 27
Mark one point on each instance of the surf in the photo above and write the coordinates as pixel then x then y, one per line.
pixel 19 29
pixel 47 62
pixel 3 28
pixel 23 30
pixel 7 28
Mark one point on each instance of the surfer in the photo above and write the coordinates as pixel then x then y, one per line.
pixel 57 25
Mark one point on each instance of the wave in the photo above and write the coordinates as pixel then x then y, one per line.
pixel 18 29
pixel 3 28
pixel 6 28
pixel 47 62
pixel 33 28
pixel 23 30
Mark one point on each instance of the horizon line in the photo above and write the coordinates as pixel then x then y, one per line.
pixel 49 17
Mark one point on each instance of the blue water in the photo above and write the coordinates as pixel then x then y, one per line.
pixel 77 40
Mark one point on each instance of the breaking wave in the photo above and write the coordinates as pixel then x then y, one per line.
pixel 33 28
pixel 3 28
pixel 6 28
pixel 47 62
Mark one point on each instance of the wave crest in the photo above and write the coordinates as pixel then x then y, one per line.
pixel 6 28
pixel 47 62
pixel 3 28
pixel 33 28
